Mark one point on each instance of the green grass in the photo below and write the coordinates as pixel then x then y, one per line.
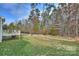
pixel 39 46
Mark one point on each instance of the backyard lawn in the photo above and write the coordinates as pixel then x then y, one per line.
pixel 39 45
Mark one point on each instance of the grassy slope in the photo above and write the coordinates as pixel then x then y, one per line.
pixel 39 45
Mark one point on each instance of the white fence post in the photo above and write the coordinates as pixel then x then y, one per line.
pixel 0 29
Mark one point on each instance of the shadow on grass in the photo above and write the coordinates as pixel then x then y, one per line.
pixel 8 38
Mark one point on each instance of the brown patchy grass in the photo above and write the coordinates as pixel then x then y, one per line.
pixel 52 41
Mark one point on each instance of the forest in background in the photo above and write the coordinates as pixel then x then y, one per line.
pixel 62 20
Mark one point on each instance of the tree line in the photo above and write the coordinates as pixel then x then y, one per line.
pixel 55 19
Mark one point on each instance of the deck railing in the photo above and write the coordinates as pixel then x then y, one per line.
pixel 6 33
pixel 13 33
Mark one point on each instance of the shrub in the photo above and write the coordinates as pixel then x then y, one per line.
pixel 53 31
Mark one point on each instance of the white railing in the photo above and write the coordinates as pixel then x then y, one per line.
pixel 15 33
pixel 10 33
